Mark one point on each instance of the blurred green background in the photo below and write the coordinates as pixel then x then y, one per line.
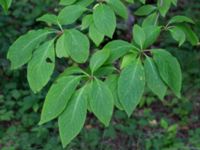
pixel 172 124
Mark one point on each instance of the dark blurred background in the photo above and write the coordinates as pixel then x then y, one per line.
pixel 172 124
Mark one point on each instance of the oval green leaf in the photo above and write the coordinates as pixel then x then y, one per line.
pixel 131 85
pixel 58 96
pixel 71 121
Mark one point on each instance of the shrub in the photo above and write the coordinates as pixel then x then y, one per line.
pixel 98 80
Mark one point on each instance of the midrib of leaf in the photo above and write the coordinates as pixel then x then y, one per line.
pixel 5 1
pixel 119 47
pixel 94 66
pixel 76 104
pixel 103 12
pixel 99 87
pixel 74 39
pixel 141 45
pixel 44 54
pixel 62 92
pixel 152 66
pixel 35 39
pixel 156 21
pixel 133 75
pixel 46 51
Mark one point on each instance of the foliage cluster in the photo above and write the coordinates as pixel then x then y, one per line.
pixel 127 58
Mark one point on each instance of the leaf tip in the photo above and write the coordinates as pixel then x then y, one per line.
pixel 128 113
pixel 41 122
pixel 179 95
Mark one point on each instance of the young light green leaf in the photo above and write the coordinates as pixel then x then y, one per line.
pixel 20 52
pixel 178 35
pixel 131 85
pixel 49 19
pixel 153 79
pixel 101 101
pixel 61 48
pixel 86 21
pixel 169 69
pixel 77 44
pixel 118 7
pixel 151 34
pixel 151 20
pixel 112 82
pixel 163 6
pixel 41 66
pixel 58 96
pixel 70 14
pixel 96 36
pixel 98 59
pixel 128 59
pixel 72 120
pixel 139 35
pixel 145 10
pixel 118 48
pixel 104 19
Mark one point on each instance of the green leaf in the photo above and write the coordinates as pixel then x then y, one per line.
pixel 164 6
pixel 118 48
pixel 61 50
pixel 131 85
pixel 152 36
pixel 130 1
pixel 153 79
pixel 70 14
pixel 145 10
pixel 71 121
pixel 139 35
pixel 58 96
pixel 5 4
pixel 104 19
pixel 49 19
pixel 112 82
pixel 86 21
pixel 119 8
pixel 20 52
pixel 101 101
pixel 174 2
pixel 98 59
pixel 104 71
pixel 143 1
pixel 77 44
pixel 151 20
pixel 41 66
pixel 96 36
pixel 128 59
pixel 67 2
pixel 180 19
pixel 178 35
pixel 84 3
pixel 190 34
pixel 73 70
pixel 169 69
